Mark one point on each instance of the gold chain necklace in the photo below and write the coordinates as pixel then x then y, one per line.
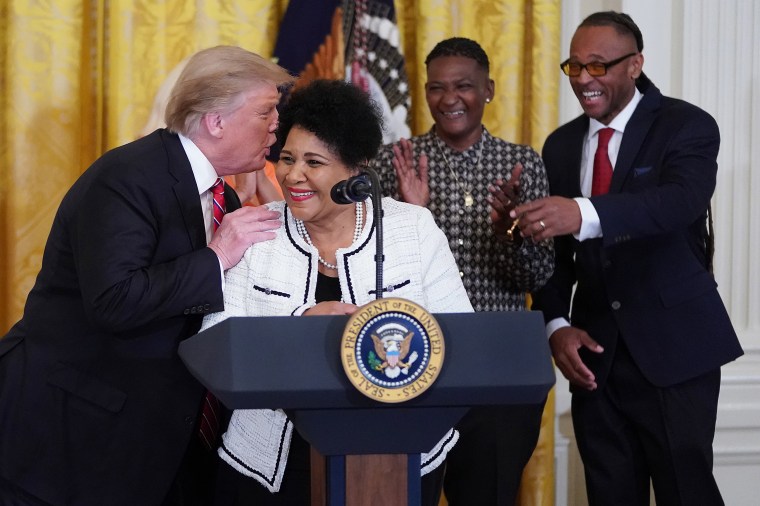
pixel 465 187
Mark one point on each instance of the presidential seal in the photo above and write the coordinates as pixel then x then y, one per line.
pixel 392 350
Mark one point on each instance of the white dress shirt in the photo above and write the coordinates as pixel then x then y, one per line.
pixel 590 226
pixel 205 177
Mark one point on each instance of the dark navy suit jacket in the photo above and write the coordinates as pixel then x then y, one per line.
pixel 646 280
pixel 96 407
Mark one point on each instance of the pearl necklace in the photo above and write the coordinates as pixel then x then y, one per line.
pixel 466 188
pixel 357 232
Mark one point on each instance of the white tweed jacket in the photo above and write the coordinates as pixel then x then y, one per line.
pixel 279 277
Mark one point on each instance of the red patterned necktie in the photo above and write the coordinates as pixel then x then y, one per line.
pixel 208 430
pixel 602 167
pixel 219 206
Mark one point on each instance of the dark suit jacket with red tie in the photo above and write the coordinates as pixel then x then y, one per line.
pixel 645 281
pixel 96 408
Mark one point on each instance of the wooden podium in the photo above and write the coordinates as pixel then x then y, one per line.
pixel 372 448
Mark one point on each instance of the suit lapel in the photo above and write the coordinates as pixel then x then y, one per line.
pixel 567 182
pixel 185 190
pixel 636 131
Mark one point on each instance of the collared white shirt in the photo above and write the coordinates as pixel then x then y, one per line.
pixel 590 226
pixel 205 177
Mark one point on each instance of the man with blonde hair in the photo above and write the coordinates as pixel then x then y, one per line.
pixel 253 188
pixel 95 405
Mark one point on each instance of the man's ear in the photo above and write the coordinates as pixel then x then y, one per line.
pixel 637 64
pixel 213 123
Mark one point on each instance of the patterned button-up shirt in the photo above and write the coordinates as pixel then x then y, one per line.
pixel 496 274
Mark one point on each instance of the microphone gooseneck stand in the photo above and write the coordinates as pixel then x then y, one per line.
pixel 356 189
pixel 378 218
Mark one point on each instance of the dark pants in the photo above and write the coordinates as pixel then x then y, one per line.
pixel 193 485
pixel 195 480
pixel 630 431
pixel 495 444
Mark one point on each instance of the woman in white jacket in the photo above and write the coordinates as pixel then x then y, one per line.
pixel 322 262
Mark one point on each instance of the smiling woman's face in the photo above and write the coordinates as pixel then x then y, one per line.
pixel 307 171
pixel 456 91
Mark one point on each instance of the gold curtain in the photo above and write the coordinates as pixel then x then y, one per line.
pixel 521 38
pixel 78 77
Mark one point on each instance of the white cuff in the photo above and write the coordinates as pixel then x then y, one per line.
pixel 591 228
pixel 221 270
pixel 555 325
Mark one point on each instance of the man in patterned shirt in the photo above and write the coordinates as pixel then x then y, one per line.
pixel 470 180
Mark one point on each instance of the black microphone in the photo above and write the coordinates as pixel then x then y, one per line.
pixel 354 189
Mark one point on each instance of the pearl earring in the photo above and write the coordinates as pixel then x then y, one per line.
pixel 488 101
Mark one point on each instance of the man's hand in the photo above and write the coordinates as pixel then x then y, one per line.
pixel 412 180
pixel 330 307
pixel 548 217
pixel 241 228
pixel 503 198
pixel 565 343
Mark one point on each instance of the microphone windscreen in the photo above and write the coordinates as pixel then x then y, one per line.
pixel 338 193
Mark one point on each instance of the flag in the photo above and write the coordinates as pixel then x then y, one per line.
pixel 356 40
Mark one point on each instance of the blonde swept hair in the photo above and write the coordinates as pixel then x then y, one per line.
pixel 214 80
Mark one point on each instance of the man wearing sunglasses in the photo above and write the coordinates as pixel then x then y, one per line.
pixel 642 346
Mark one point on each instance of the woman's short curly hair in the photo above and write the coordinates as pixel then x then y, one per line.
pixel 340 115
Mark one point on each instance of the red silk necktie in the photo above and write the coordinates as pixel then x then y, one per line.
pixel 219 205
pixel 600 183
pixel 208 430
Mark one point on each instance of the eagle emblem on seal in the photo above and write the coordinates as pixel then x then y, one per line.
pixel 392 350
